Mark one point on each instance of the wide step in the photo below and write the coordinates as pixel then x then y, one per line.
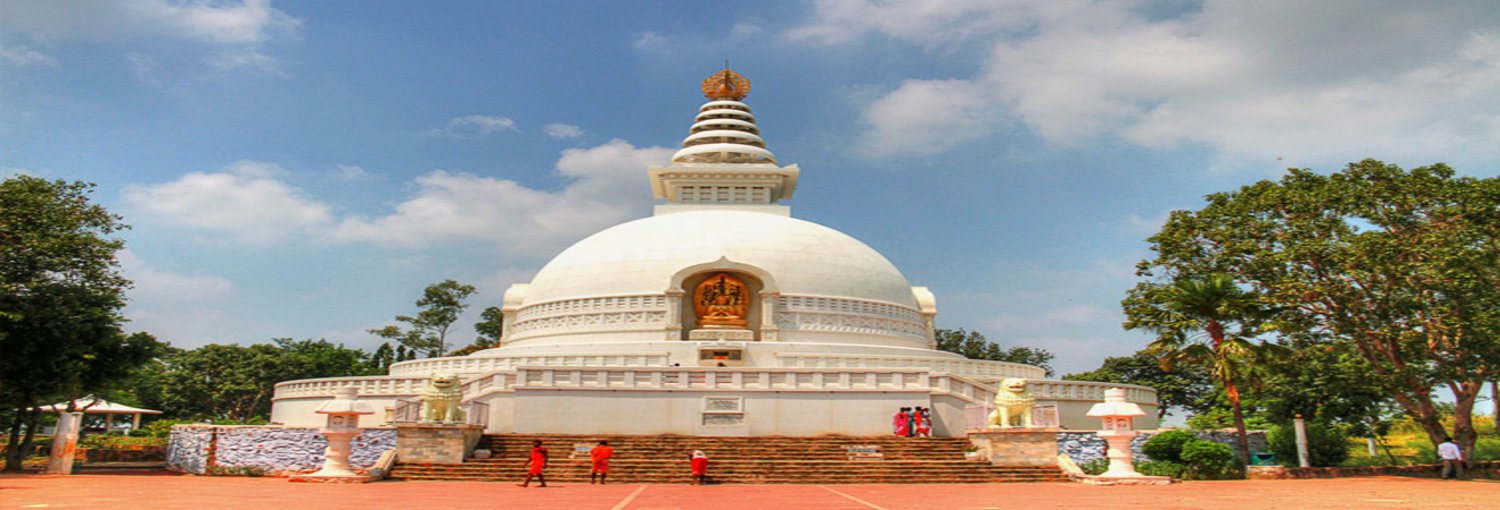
pixel 663 459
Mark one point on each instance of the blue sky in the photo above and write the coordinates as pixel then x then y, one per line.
pixel 305 169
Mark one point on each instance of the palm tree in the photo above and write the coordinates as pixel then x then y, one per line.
pixel 1192 318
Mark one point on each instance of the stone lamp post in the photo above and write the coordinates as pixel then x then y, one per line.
pixel 343 414
pixel 1119 429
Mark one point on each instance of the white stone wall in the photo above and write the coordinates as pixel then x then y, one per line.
pixel 268 449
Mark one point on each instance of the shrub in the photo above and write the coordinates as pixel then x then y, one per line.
pixel 1095 466
pixel 1168 445
pixel 158 428
pixel 1209 460
pixel 1327 445
pixel 1161 468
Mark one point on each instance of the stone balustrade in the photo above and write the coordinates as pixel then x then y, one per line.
pixel 1089 391
pixel 977 369
pixel 485 364
pixel 737 379
pixel 371 386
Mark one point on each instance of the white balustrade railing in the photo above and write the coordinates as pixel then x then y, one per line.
pixel 368 386
pixel 721 379
pixel 981 369
pixel 1045 414
pixel 1088 391
pixel 479 365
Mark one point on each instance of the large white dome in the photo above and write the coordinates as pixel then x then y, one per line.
pixel 641 257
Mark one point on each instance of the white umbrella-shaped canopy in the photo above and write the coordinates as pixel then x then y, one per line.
pixel 97 405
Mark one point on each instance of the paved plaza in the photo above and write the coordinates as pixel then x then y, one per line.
pixel 170 491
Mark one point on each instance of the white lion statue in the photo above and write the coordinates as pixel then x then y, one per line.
pixel 440 401
pixel 1012 400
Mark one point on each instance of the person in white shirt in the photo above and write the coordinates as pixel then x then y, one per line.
pixel 1453 459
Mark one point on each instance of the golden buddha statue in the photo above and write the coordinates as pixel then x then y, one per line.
pixel 722 302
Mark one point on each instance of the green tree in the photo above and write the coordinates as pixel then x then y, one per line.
pixel 236 382
pixel 60 297
pixel 973 345
pixel 1396 266
pixel 1205 321
pixel 1187 386
pixel 382 358
pixel 491 326
pixel 440 306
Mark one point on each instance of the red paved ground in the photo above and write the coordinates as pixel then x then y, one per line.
pixel 166 491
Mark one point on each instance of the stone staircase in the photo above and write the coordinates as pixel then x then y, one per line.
pixel 807 460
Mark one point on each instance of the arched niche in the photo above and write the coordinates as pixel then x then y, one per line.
pixel 757 280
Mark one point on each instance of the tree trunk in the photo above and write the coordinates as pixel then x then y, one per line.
pixel 1239 421
pixel 1418 406
pixel 13 453
pixel 1463 416
pixel 1495 406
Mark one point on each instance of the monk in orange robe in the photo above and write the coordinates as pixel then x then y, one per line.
pixel 537 462
pixel 600 454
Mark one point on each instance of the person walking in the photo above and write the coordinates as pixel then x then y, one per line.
pixel 600 454
pixel 537 461
pixel 698 462
pixel 1453 459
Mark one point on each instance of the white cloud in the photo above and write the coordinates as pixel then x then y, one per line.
pixel 22 56
pixel 1313 84
pixel 250 202
pixel 246 201
pixel 608 187
pixel 563 131
pixel 234 32
pixel 474 126
pixel 351 173
pixel 927 117
pixel 744 30
pixel 247 22
pixel 179 308
pixel 650 41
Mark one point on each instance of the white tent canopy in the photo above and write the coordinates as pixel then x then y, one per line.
pixel 96 405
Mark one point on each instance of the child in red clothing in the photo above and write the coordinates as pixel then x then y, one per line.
pixel 699 464
pixel 537 462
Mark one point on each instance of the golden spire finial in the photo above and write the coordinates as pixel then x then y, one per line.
pixel 726 85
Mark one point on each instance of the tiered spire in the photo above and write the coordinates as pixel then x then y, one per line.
pixel 723 161
pixel 724 130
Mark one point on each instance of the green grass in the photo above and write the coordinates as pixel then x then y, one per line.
pixel 1408 444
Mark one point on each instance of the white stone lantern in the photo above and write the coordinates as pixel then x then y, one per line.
pixel 343 414
pixel 1119 429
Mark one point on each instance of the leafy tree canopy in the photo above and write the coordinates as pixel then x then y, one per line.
pixel 973 345
pixel 439 308
pixel 60 296
pixel 1397 267
pixel 1186 386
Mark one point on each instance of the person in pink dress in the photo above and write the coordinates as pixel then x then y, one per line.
pixel 902 422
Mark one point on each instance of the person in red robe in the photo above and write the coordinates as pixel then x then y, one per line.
pixel 699 465
pixel 600 454
pixel 924 421
pixel 902 422
pixel 537 462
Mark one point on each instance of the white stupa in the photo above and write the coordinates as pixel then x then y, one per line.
pixel 718 315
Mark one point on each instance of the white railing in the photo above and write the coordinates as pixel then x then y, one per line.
pixel 479 365
pixel 407 410
pixel 980 369
pixel 709 378
pixel 718 379
pixel 476 413
pixel 1045 414
pixel 1088 390
pixel 368 386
